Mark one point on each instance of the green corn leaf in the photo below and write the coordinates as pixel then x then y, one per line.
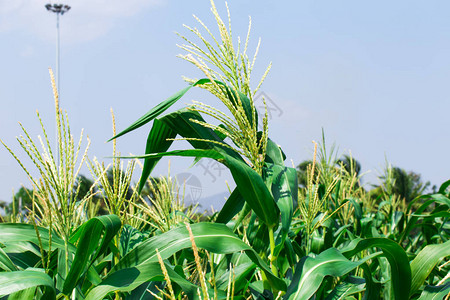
pixel 352 285
pixel 430 199
pixel 232 207
pixel 23 294
pixel 444 186
pixel 180 123
pixel 398 260
pixel 128 279
pixel 13 282
pixel 424 263
pixel 11 233
pixel 213 237
pixel 93 276
pixel 373 288
pixel 247 105
pixel 209 153
pixel 435 292
pixel 357 207
pixel 239 274
pixel 397 221
pixel 157 141
pixel 183 122
pixel 290 252
pixel 130 237
pixel 62 268
pixel 5 262
pixel 250 184
pixel 280 180
pixel 310 272
pixel 158 109
pixel 93 238
pixel 163 106
pixel 24 254
pixel 434 215
pixel 142 292
pixel 274 154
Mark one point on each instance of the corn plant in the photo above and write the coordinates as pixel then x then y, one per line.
pixel 55 191
pixel 164 207
pixel 114 182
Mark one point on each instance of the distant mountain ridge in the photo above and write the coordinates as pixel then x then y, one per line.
pixel 216 201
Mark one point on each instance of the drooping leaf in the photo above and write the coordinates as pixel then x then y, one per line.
pixel 400 270
pixel 62 268
pixel 443 188
pixel 232 207
pixel 250 184
pixel 163 106
pixel 184 122
pixel 158 140
pixel 158 109
pixel 372 288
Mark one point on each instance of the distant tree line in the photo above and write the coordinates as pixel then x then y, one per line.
pixel 406 185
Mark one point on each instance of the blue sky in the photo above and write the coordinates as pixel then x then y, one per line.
pixel 373 74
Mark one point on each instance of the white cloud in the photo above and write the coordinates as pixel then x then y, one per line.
pixel 87 19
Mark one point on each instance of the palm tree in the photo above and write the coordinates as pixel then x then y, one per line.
pixel 22 202
pixel 350 164
pixel 86 188
pixel 405 185
pixel 408 185
pixel 302 175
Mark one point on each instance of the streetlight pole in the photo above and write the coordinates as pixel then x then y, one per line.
pixel 59 9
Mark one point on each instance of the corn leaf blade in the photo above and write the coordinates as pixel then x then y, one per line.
pixel 424 263
pixel 250 184
pixel 93 239
pixel 213 237
pixel 128 279
pixel 400 270
pixel 13 282
pixel 310 272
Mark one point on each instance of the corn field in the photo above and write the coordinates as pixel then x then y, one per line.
pixel 273 239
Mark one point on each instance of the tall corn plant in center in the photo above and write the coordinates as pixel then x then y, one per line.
pixel 263 184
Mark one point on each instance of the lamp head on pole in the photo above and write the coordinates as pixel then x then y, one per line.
pixel 57 8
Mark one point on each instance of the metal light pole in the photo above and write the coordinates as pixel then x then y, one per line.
pixel 59 9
